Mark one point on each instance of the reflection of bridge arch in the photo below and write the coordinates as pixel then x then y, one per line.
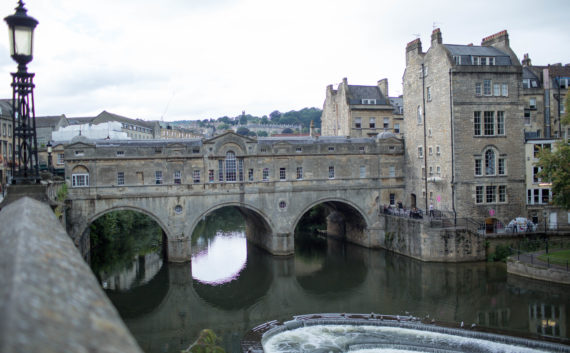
pixel 258 224
pixel 254 281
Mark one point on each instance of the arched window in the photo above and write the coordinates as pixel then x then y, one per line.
pixel 80 177
pixel 419 114
pixel 489 162
pixel 230 163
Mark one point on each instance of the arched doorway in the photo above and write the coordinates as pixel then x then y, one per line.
pixel 413 201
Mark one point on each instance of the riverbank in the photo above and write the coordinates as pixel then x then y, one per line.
pixel 531 266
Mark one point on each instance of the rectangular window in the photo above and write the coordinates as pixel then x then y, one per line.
pixel 362 171
pixel 386 124
pixel 79 153
pixel 489 123
pixel 486 87
pixel 527 116
pixel 397 128
pixel 358 123
pixel 536 194
pixel 502 193
pixel 331 148
pixel 420 152
pixel 428 94
pixel 372 123
pixel 500 123
pixel 392 171
pixel 158 177
pixel 491 194
pixel 60 158
pixel 331 172
pixel 478 194
pixel 220 170
pixel 361 149
pixel 298 149
pixel 502 168
pixel 120 153
pixel 532 103
pixel 4 130
pixel 430 151
pixel 196 176
pixel 430 170
pixel 265 175
pixel 392 199
pixel 496 89
pixel 263 149
pixel 505 90
pixel 437 150
pixel 438 170
pixel 240 169
pixel 196 150
pixel 477 123
pixel 299 173
pixel 529 196
pixel 79 180
pixel 526 83
pixel 250 174
pixel 211 175
pixel 545 196
pixel 120 178
pixel 478 89
pixel 478 170
pixel 535 171
pixel 282 174
pixel 177 177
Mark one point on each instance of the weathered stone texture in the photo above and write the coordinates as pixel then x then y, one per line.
pixel 49 299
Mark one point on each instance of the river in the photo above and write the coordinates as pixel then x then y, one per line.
pixel 231 286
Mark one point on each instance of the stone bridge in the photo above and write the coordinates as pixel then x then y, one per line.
pixel 272 181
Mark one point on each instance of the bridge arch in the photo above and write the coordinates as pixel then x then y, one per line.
pixel 346 219
pixel 148 213
pixel 259 227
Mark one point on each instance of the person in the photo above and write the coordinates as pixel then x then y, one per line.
pixel 431 209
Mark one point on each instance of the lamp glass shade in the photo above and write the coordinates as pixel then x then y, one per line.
pixel 21 40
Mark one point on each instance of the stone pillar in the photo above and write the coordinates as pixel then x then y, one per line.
pixel 179 249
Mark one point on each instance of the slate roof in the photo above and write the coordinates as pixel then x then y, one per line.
pixel 80 120
pixel 467 51
pixel 559 71
pixel 6 107
pixel 48 121
pixel 357 93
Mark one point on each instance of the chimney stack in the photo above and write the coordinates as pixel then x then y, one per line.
pixel 383 87
pixel 436 37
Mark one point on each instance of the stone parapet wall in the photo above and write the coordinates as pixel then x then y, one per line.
pixel 50 300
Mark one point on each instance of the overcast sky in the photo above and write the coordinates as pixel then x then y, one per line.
pixel 196 59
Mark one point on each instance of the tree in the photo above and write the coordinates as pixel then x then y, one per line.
pixel 262 134
pixel 242 131
pixel 223 127
pixel 275 115
pixel 287 131
pixel 555 165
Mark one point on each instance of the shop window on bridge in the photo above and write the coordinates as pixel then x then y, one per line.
pixel 196 176
pixel 211 175
pixel 177 177
pixel 158 177
pixel 220 170
pixel 282 174
pixel 120 178
pixel 331 172
pixel 250 175
pixel 230 166
pixel 60 158
pixel 80 177
pixel 265 176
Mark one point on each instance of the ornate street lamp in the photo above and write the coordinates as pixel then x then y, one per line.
pixel 25 168
pixel 49 151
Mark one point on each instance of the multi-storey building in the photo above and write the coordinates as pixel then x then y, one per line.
pixel 5 141
pixel 136 129
pixel 464 128
pixel 359 111
pixel 544 91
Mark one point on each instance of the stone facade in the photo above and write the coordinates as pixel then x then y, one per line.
pixel 5 141
pixel 273 181
pixel 464 128
pixel 360 111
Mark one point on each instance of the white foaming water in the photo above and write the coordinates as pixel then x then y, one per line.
pixel 362 339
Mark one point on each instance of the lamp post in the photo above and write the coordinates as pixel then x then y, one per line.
pixel 25 167
pixel 49 150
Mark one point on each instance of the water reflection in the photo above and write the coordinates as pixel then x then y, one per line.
pixel 219 260
pixel 249 287
pixel 139 272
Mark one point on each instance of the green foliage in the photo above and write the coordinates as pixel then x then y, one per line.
pixel 262 134
pixel 242 131
pixel 558 257
pixel 226 219
pixel 117 237
pixel 556 169
pixel 207 342
pixel 223 127
pixel 501 253
pixel 315 219
pixel 556 166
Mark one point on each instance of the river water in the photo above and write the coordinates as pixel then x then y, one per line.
pixel 232 286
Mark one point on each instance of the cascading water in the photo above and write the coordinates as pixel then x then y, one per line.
pixel 339 333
